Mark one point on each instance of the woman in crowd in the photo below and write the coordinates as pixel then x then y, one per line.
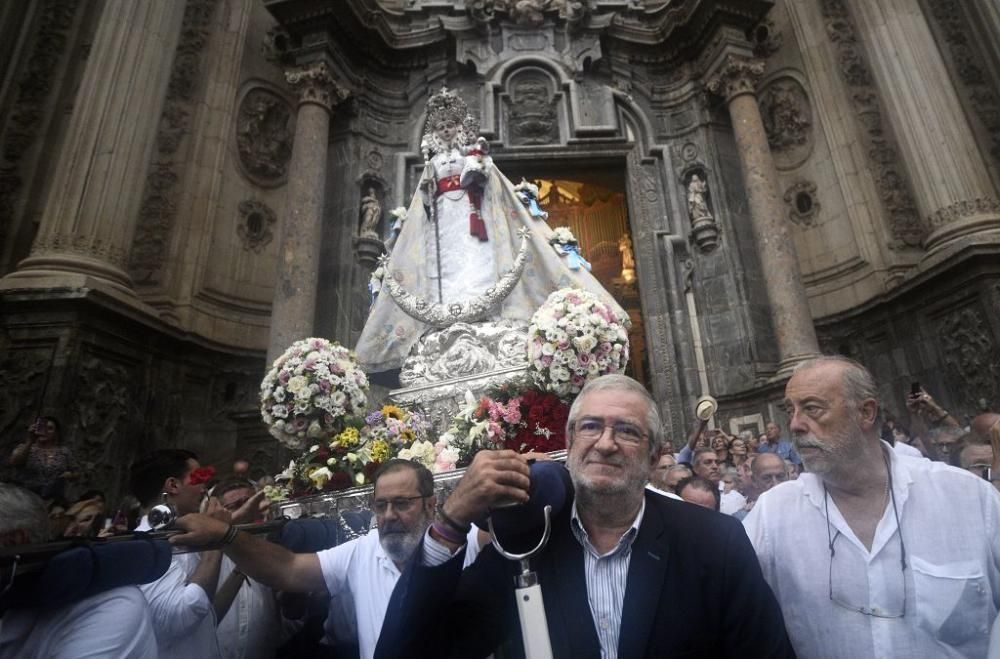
pixel 738 450
pixel 86 519
pixel 45 464
pixel 720 444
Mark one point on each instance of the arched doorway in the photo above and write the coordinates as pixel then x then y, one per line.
pixel 592 203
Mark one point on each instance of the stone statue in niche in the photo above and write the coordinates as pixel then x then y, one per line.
pixel 371 214
pixel 697 206
pixel 704 231
pixel 263 138
pixel 532 115
pixel 625 247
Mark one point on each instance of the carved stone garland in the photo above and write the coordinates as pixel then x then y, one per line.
pixel 906 225
pixel 156 215
pixel 982 94
pixel 34 88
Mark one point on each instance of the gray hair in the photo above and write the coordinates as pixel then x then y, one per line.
pixel 24 510
pixel 678 467
pixel 698 452
pixel 859 384
pixel 746 435
pixel 617 382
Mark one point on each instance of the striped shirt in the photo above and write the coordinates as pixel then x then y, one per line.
pixel 606 576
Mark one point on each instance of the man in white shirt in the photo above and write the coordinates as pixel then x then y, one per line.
pixel 872 553
pixel 367 568
pixel 180 602
pixel 250 622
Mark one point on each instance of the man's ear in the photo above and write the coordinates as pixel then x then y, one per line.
pixel 869 412
pixel 172 485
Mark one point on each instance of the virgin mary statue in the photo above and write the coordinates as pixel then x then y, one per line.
pixel 462 236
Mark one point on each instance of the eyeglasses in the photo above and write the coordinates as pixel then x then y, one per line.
pixel 874 612
pixel 592 428
pixel 399 504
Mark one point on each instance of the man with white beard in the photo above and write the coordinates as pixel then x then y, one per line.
pixel 912 546
pixel 366 568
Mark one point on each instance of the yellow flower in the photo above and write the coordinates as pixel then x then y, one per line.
pixel 407 435
pixel 380 451
pixel 393 411
pixel 349 437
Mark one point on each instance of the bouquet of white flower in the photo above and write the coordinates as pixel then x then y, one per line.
pixel 575 337
pixel 310 390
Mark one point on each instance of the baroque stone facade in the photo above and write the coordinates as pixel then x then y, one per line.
pixel 277 119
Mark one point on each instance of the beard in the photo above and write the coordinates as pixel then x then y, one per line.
pixel 841 449
pixel 399 542
pixel 633 479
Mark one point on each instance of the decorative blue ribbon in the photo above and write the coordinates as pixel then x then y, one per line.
pixel 573 257
pixel 533 208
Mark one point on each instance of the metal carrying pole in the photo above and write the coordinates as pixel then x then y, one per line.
pixel 528 595
pixel 29 558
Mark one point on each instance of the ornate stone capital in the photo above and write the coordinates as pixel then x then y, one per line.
pixel 736 75
pixel 314 83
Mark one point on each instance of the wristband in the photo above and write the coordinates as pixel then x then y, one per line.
pixel 447 533
pixel 230 535
pixel 453 524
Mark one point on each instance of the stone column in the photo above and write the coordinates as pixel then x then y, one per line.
pixel 951 182
pixel 735 79
pixel 89 218
pixel 294 309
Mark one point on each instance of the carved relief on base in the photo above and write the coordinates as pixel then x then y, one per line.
pixel 465 349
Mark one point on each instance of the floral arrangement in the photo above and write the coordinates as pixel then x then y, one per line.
pixel 515 415
pixel 572 338
pixel 350 457
pixel 562 236
pixel 311 391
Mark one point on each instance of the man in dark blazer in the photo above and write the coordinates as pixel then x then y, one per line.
pixel 626 573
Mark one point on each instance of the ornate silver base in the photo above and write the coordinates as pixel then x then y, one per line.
pixel 464 357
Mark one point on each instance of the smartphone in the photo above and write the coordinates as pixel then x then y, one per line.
pixel 915 389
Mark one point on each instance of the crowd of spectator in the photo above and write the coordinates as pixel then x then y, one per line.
pixel 846 483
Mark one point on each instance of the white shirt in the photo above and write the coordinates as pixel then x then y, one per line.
pixel 907 450
pixel 361 568
pixel 182 613
pixel 114 623
pixel 732 501
pixel 252 627
pixel 951 528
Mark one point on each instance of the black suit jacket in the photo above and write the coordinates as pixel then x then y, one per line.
pixel 694 589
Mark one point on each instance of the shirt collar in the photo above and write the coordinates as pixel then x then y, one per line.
pixel 623 544
pixel 812 485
